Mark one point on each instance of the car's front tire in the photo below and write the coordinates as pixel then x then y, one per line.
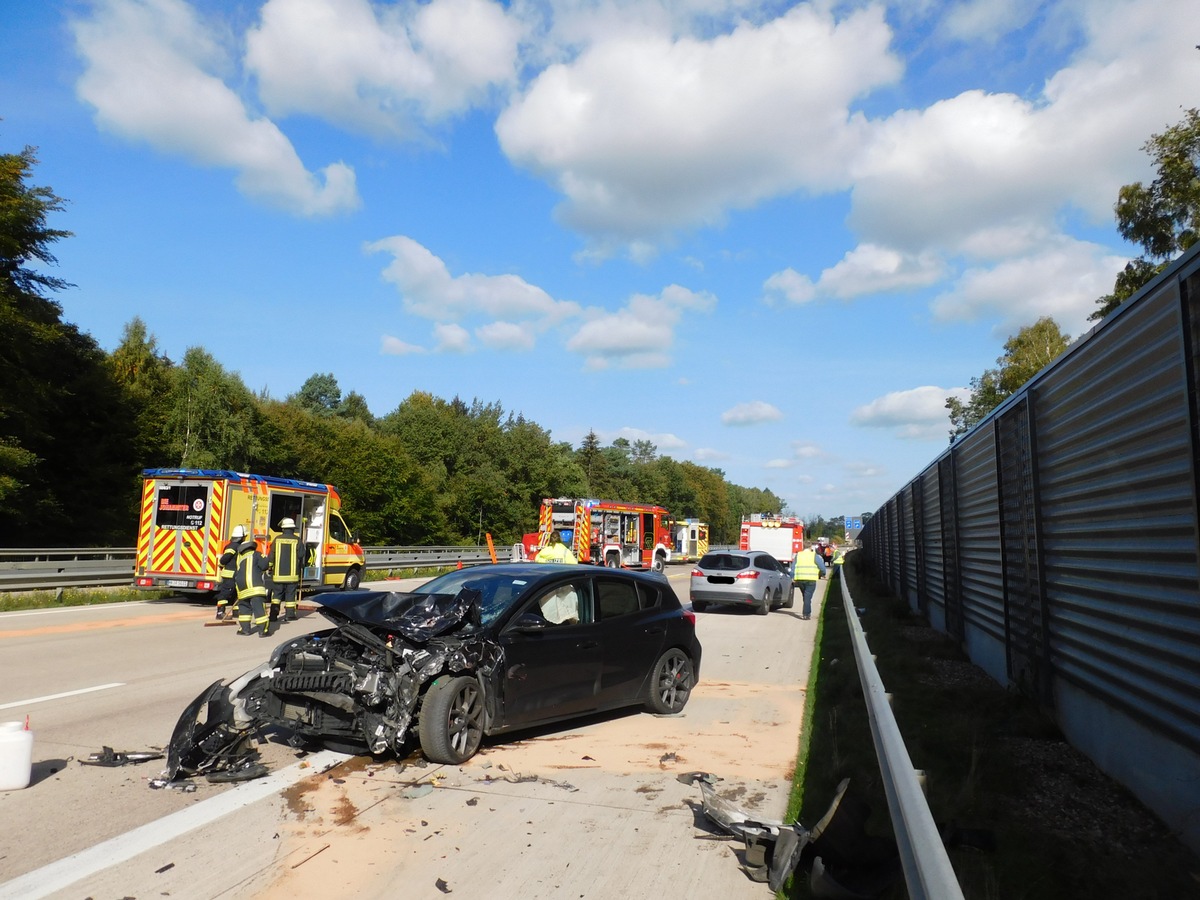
pixel 451 722
pixel 671 682
pixel 660 562
pixel 352 580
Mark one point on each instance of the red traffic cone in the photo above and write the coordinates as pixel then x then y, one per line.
pixel 460 563
pixel 26 721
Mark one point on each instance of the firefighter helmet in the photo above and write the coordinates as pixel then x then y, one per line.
pixel 287 523
pixel 239 532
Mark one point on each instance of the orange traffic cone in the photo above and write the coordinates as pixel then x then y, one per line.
pixel 460 563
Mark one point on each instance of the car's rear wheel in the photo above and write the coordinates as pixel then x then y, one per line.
pixel 451 724
pixel 699 605
pixel 765 607
pixel 671 682
pixel 790 600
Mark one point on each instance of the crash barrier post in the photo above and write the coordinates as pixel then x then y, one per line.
pixel 927 869
pixel 44 569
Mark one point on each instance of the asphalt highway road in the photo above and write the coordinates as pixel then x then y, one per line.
pixel 592 808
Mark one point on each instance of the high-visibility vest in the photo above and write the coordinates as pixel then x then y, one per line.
pixel 285 559
pixel 805 567
pixel 249 576
pixel 552 553
pixel 228 561
pixel 838 558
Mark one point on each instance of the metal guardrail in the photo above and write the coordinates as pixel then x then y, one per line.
pixel 47 569
pixel 927 869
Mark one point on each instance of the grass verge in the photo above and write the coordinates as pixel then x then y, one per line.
pixel 75 597
pixel 1039 820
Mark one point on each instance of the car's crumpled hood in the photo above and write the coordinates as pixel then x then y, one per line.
pixel 416 617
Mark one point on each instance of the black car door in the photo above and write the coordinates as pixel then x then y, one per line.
pixel 632 628
pixel 552 670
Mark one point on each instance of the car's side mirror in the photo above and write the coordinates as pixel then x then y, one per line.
pixel 528 622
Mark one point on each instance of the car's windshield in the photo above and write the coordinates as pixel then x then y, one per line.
pixel 499 591
pixel 723 562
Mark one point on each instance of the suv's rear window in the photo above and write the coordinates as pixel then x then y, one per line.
pixel 723 561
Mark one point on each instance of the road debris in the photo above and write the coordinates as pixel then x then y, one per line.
pixel 113 758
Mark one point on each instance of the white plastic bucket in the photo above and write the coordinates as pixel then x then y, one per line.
pixel 16 756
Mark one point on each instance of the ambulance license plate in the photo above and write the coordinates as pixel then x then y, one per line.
pixel 178 582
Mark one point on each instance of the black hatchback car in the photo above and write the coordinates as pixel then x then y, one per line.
pixel 475 652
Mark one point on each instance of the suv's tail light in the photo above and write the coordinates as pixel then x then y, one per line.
pixel 696 573
pixel 749 576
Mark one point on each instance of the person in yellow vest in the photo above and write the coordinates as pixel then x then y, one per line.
pixel 250 579
pixel 285 563
pixel 226 591
pixel 839 557
pixel 555 551
pixel 807 568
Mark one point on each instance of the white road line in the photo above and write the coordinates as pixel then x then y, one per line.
pixel 58 610
pixel 58 875
pixel 87 690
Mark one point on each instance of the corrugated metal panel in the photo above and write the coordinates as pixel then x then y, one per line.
pixel 1117 493
pixel 894 537
pixel 912 537
pixel 1025 611
pixel 948 489
pixel 933 591
pixel 980 576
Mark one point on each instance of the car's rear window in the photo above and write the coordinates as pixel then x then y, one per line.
pixel 723 561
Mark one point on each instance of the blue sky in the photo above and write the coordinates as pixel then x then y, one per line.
pixel 769 238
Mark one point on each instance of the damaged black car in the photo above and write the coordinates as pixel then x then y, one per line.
pixel 473 653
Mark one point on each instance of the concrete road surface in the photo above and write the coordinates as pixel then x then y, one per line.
pixel 589 809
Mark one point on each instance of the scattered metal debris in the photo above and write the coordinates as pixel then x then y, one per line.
pixel 166 784
pixel 442 886
pixel 842 860
pixel 113 758
pixel 165 868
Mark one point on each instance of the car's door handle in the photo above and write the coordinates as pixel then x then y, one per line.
pixel 656 629
pixel 588 645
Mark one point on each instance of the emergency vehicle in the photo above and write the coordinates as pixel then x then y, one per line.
pixel 605 532
pixel 691 539
pixel 781 536
pixel 187 516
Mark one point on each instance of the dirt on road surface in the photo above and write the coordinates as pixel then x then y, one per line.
pixel 588 809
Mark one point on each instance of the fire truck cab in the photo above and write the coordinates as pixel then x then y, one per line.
pixel 187 516
pixel 604 532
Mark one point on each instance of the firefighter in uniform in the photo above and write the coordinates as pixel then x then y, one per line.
pixel 555 551
pixel 285 563
pixel 806 569
pixel 251 589
pixel 226 591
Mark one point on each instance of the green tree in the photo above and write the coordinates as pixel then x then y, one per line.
pixel 1163 217
pixel 1025 354
pixel 212 417
pixel 320 394
pixel 65 435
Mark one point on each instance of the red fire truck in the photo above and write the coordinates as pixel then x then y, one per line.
pixel 604 532
pixel 781 536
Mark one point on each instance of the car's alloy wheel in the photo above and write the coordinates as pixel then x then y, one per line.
pixel 672 682
pixel 353 580
pixel 660 562
pixel 451 723
pixel 790 600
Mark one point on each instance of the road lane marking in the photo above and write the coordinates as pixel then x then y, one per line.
pixel 87 690
pixel 58 875
pixel 58 610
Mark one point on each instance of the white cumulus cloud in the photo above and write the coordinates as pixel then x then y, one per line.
pixel 642 333
pixel 153 72
pixel 753 413
pixel 918 413
pixel 382 69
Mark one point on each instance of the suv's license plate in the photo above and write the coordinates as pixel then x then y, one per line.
pixel 178 582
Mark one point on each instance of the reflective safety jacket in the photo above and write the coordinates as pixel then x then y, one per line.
pixel 806 567
pixel 228 561
pixel 555 553
pixel 251 569
pixel 286 559
pixel 838 558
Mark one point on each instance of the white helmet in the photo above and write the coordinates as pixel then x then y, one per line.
pixel 287 523
pixel 239 532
